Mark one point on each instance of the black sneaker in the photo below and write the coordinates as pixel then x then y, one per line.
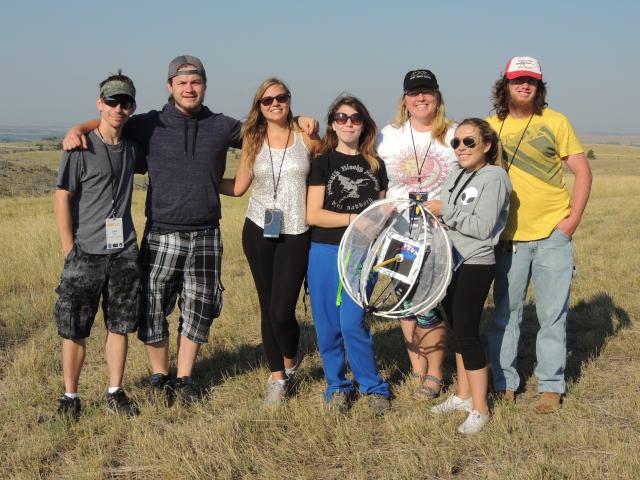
pixel 161 388
pixel 118 402
pixel 185 391
pixel 68 408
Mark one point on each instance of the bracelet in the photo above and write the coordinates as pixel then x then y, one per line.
pixel 349 220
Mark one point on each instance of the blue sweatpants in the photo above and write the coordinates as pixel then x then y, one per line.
pixel 340 329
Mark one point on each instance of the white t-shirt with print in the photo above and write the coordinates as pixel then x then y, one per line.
pixel 396 150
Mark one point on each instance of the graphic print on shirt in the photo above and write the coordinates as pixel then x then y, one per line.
pixel 344 188
pixel 469 195
pixel 434 170
pixel 536 154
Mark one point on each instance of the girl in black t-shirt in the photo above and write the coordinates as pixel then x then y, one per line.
pixel 344 180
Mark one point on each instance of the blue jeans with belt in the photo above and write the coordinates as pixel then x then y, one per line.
pixel 549 264
pixel 341 329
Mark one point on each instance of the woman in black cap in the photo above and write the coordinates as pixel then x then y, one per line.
pixel 416 151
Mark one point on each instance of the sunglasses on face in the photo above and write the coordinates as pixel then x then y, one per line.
pixel 282 98
pixel 522 80
pixel 342 118
pixel 418 91
pixel 468 142
pixel 125 101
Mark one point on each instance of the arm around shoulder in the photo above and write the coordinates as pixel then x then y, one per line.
pixel 76 135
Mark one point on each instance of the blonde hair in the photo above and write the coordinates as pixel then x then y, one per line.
pixel 254 129
pixel 440 124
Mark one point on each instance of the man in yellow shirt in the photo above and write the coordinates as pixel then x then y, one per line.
pixel 536 243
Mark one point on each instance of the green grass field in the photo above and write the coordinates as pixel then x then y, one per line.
pixel 230 435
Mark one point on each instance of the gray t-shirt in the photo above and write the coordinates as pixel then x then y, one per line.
pixel 100 180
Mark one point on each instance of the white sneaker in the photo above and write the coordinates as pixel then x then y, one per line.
pixel 453 404
pixel 474 423
pixel 291 372
pixel 276 393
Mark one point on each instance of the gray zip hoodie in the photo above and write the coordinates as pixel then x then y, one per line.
pixel 475 207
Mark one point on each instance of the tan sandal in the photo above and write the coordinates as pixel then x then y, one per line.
pixel 424 392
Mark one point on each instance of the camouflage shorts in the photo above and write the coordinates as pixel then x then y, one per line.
pixel 114 277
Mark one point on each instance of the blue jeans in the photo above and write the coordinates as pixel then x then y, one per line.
pixel 549 263
pixel 341 330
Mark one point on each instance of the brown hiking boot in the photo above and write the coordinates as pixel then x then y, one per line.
pixel 548 402
pixel 507 397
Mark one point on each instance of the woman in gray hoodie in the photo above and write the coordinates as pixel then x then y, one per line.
pixel 474 205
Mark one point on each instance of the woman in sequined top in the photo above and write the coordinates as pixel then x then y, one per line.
pixel 275 238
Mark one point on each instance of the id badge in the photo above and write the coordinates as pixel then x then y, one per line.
pixel 115 236
pixel 418 197
pixel 272 223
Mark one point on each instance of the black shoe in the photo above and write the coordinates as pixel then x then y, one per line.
pixel 68 408
pixel 185 391
pixel 118 402
pixel 161 388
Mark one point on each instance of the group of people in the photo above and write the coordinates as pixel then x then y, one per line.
pixel 496 184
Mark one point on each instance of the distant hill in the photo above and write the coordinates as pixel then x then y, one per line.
pixel 9 133
pixel 611 138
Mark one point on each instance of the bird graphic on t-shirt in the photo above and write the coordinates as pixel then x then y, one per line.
pixel 350 187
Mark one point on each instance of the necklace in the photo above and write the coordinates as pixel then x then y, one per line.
pixel 273 172
pixel 415 153
pixel 508 167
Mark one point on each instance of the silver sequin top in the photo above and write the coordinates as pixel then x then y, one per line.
pixel 292 188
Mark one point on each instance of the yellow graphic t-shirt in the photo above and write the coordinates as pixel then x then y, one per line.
pixel 540 198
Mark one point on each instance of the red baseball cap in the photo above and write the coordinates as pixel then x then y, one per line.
pixel 523 67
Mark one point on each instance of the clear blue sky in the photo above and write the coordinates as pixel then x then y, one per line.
pixel 54 53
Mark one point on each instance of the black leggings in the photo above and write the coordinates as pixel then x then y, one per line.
pixel 278 266
pixel 463 306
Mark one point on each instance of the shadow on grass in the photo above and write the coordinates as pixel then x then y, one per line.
pixel 590 324
pixel 211 370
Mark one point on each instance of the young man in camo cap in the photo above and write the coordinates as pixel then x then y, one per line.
pixel 93 214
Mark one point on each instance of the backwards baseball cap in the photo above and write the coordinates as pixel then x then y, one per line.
pixel 523 67
pixel 181 60
pixel 420 79
pixel 117 87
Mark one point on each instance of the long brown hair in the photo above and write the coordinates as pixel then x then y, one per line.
pixel 367 140
pixel 254 129
pixel 500 95
pixel 440 124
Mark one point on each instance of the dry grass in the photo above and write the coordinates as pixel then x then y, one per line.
pixel 230 435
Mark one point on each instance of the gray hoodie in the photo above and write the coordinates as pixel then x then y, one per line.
pixel 475 207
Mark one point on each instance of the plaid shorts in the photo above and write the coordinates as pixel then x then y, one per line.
pixel 184 265
pixel 85 278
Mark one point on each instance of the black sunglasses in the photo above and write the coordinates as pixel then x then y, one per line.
pixel 418 91
pixel 125 101
pixel 468 142
pixel 342 118
pixel 282 98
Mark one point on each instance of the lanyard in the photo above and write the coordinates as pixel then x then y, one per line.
pixel 415 153
pixel 464 185
pixel 273 173
pixel 508 167
pixel 114 179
